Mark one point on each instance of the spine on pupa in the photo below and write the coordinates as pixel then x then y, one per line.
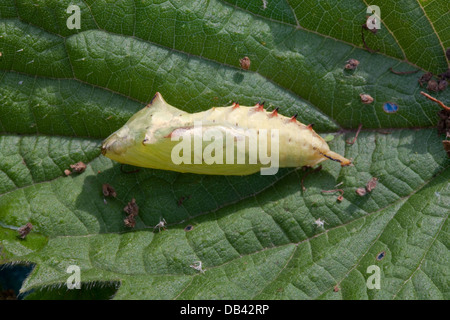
pixel 149 138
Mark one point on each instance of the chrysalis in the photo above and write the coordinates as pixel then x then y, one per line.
pixel 233 140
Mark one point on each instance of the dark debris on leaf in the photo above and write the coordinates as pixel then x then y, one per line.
pixel 132 210
pixel 444 122
pixel 442 85
pixel 445 75
pixel 432 85
pixel 446 144
pixel 425 78
pixel 130 221
pixel 361 191
pixel 443 125
pixel 351 64
pixel 371 184
pixel 245 63
pixel 366 99
pixel 108 190
pixel 78 167
pixel 25 230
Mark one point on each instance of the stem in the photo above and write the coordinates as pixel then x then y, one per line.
pixel 435 100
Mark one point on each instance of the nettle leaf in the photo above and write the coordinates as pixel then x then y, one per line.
pixel 62 91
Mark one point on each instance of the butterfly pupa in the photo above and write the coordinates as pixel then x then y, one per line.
pixel 159 135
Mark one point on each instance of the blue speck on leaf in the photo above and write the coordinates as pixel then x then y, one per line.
pixel 381 255
pixel 390 107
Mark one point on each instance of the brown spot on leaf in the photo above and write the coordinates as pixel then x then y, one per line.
pixel 365 98
pixel 444 122
pixel 108 190
pixel 130 221
pixel 445 75
pixel 245 63
pixel 371 184
pixel 446 144
pixel 442 85
pixel 425 78
pixel 132 210
pixel 78 167
pixel 351 64
pixel 432 85
pixel 67 172
pixel 25 230
pixel 361 191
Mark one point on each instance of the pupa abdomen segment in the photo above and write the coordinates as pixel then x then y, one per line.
pixel 153 138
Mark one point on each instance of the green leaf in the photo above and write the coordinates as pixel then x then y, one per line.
pixel 62 91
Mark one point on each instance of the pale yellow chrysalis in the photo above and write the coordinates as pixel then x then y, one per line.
pixel 161 136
